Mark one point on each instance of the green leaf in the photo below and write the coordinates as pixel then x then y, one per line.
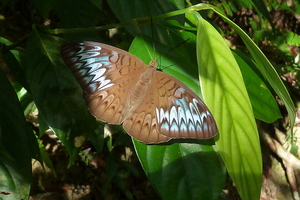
pixel 97 137
pixel 34 145
pixel 293 39
pixel 46 157
pixel 143 8
pixel 261 7
pixel 182 170
pixel 225 94
pixel 56 92
pixel 14 59
pixel 263 103
pixel 245 3
pixel 44 7
pixel 97 3
pixel 15 155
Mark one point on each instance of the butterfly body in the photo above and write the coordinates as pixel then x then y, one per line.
pixel 141 86
pixel 119 88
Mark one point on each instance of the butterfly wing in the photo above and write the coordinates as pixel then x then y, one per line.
pixel 180 113
pixel 169 110
pixel 106 75
pixel 142 123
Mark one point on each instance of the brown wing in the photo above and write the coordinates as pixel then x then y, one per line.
pixel 106 74
pixel 142 124
pixel 180 113
pixel 169 109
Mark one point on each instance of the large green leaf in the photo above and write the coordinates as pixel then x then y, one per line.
pixel 15 155
pixel 56 92
pixel 225 94
pixel 182 170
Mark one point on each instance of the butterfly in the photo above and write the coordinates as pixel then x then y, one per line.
pixel 152 106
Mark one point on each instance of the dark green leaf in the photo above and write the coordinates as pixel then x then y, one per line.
pixel 56 92
pixel 97 137
pixel 97 3
pixel 34 146
pixel 182 170
pixel 44 6
pixel 14 60
pixel 261 7
pixel 77 13
pixel 145 8
pixel 15 155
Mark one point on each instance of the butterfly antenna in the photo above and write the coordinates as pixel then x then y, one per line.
pixel 178 45
pixel 175 48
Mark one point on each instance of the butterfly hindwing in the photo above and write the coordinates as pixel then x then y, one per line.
pixel 142 123
pixel 180 113
pixel 169 110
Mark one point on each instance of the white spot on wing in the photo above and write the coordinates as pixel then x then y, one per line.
pixel 163 118
pixel 98 73
pixel 173 114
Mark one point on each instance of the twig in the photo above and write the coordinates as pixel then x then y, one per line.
pixel 292 164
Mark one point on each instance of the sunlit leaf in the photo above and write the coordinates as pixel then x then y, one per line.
pixel 225 94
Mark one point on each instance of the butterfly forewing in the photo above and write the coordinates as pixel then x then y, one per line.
pixel 106 74
pixel 109 105
pixel 154 107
